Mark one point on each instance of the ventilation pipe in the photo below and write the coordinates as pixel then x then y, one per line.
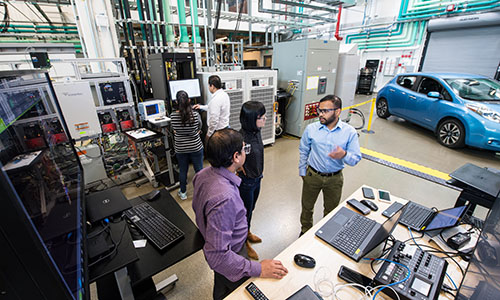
pixel 166 14
pixel 196 38
pixel 181 10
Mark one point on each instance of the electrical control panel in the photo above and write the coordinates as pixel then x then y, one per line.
pixel 78 109
pixel 124 117
pixel 231 84
pixel 311 110
pixel 107 122
pixel 33 136
pixel 113 92
pixel 312 64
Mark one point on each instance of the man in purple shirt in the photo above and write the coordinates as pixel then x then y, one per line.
pixel 221 216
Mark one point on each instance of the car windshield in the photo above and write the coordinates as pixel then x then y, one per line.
pixel 477 89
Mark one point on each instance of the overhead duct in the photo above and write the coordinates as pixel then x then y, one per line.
pixel 292 14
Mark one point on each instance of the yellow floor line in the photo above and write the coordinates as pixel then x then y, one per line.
pixel 406 164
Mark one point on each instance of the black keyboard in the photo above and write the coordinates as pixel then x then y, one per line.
pixel 415 216
pixel 160 231
pixel 353 234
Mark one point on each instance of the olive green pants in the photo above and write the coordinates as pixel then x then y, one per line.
pixel 313 183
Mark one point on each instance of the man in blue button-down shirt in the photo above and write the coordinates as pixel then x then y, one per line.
pixel 324 148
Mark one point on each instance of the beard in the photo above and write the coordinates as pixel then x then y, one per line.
pixel 328 121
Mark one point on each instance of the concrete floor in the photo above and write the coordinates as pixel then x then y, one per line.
pixel 276 216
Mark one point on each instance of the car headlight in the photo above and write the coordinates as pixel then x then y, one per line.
pixel 484 112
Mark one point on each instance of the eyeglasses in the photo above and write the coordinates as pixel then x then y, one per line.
pixel 263 117
pixel 247 148
pixel 326 110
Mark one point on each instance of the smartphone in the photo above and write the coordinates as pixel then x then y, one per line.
pixel 368 193
pixel 391 210
pixel 384 196
pixel 352 276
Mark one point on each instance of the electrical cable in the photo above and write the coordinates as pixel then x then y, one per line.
pixel 453 282
pixel 394 283
pixel 411 234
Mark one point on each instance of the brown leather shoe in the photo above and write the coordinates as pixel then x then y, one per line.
pixel 251 252
pixel 252 238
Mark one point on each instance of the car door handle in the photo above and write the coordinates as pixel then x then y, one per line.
pixel 413 97
pixel 392 90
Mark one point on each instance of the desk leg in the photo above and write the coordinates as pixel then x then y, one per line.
pixel 147 290
pixel 169 161
pixel 148 172
pixel 115 286
pixel 123 282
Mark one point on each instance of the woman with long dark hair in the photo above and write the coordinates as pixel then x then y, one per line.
pixel 252 119
pixel 186 124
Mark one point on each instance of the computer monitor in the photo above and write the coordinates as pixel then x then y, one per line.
pixel 190 86
pixel 42 213
pixel 152 109
pixel 482 278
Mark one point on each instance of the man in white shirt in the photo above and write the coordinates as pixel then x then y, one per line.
pixel 218 106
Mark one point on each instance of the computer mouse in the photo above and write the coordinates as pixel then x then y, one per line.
pixel 369 204
pixel 304 261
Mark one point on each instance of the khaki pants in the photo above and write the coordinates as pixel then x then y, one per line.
pixel 313 183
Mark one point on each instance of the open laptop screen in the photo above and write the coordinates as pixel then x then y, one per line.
pixel 446 218
pixel 385 230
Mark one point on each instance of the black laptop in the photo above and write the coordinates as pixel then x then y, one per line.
pixel 421 218
pixel 106 203
pixel 356 235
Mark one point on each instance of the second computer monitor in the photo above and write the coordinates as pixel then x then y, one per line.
pixel 190 86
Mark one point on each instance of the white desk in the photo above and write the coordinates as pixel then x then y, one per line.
pixel 329 257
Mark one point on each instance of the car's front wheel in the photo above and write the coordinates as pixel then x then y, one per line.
pixel 382 108
pixel 451 133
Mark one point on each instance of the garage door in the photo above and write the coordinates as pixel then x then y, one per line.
pixel 473 49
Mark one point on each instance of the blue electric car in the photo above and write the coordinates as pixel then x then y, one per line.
pixel 461 109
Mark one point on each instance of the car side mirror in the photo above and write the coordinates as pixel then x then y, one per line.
pixel 433 95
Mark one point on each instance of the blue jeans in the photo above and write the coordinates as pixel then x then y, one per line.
pixel 183 159
pixel 249 192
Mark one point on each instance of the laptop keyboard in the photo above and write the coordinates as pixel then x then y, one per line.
pixel 353 234
pixel 415 216
pixel 160 231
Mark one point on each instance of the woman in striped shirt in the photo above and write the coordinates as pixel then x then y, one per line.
pixel 186 125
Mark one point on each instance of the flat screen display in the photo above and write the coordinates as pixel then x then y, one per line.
pixel 152 109
pixel 190 86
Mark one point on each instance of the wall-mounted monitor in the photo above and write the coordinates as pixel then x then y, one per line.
pixel 190 86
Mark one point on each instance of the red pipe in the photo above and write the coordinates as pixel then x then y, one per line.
pixel 339 38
